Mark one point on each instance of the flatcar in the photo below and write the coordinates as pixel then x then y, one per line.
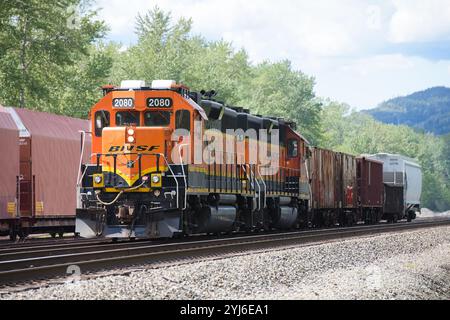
pixel 167 162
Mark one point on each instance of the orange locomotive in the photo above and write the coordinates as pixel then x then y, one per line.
pixel 168 162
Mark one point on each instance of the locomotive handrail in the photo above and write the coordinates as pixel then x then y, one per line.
pixel 259 186
pixel 184 176
pixel 83 140
pixel 98 155
pixel 114 155
pixel 173 175
pixel 265 186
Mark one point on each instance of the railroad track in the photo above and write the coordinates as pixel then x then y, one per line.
pixel 39 263
pixel 8 244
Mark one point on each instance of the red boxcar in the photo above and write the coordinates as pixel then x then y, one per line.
pixel 47 148
pixel 54 157
pixel 9 172
pixel 346 186
pixel 370 188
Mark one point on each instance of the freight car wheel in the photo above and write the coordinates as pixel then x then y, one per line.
pixel 411 216
pixel 395 218
pixel 13 236
pixel 23 233
pixel 53 235
pixel 61 234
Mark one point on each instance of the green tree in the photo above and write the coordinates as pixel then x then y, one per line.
pixel 168 50
pixel 275 89
pixel 38 40
pixel 76 92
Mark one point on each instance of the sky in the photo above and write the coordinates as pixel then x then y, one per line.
pixel 361 52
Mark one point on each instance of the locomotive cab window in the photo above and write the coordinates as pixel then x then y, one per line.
pixel 292 148
pixel 101 121
pixel 126 118
pixel 183 120
pixel 157 118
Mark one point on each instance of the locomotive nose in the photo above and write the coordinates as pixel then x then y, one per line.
pixel 132 153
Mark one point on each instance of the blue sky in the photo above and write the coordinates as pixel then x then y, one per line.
pixel 361 52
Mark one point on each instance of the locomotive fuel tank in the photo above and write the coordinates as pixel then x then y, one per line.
pixel 215 219
pixel 285 217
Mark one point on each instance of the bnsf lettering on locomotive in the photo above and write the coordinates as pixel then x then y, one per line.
pixel 114 149
pixel 131 148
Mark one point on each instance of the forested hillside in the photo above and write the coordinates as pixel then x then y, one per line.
pixel 427 110
pixel 64 76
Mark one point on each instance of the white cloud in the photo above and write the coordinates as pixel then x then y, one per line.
pixel 420 20
pixel 321 27
pixel 365 82
pixel 380 63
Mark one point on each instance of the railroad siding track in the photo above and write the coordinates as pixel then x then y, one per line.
pixel 9 245
pixel 127 254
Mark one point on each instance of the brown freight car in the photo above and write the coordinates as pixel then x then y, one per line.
pixel 346 188
pixel 49 164
pixel 9 172
pixel 323 184
pixel 370 189
pixel 334 188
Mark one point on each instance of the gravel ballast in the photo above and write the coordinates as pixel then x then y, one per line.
pixel 406 265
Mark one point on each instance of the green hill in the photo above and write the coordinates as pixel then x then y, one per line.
pixel 427 110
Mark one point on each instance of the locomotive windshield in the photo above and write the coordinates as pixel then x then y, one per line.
pixel 125 118
pixel 157 118
pixel 101 121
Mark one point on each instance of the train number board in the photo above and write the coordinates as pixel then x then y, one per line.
pixel 125 103
pixel 159 102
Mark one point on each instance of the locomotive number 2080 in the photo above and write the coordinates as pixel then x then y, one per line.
pixel 123 103
pixel 159 102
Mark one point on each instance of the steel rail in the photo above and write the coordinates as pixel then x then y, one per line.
pixel 22 270
pixel 48 245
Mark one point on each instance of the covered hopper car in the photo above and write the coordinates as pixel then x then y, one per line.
pixel 402 177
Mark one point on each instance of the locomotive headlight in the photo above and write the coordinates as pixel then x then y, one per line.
pixel 98 179
pixel 130 139
pixel 156 180
pixel 130 132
